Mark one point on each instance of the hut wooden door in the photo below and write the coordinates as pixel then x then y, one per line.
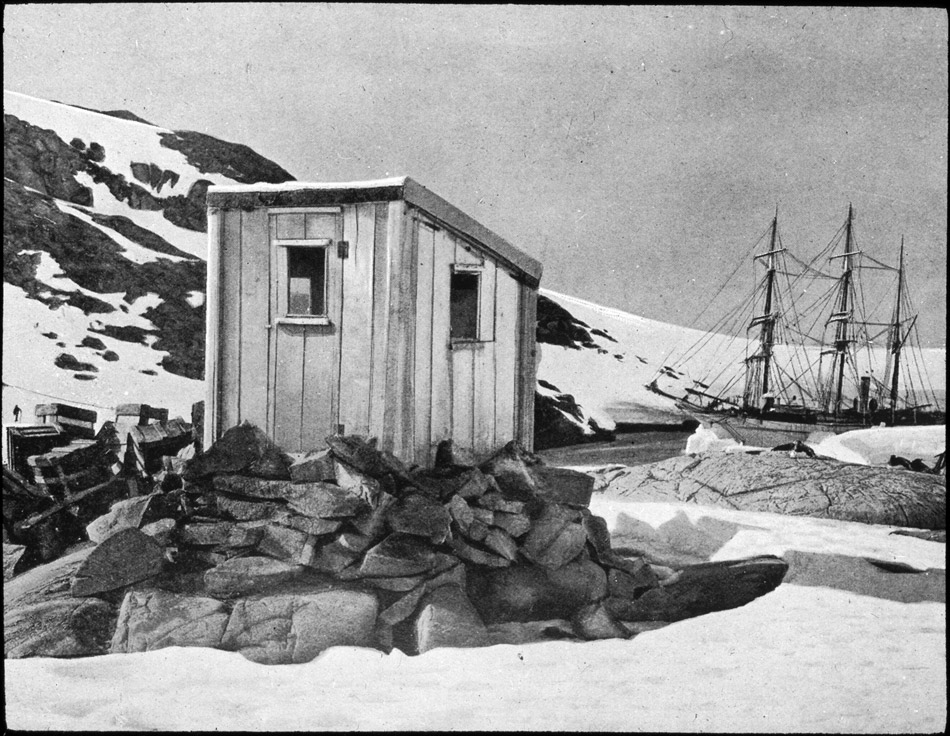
pixel 306 264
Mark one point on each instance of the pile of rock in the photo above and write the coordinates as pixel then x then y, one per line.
pixel 280 557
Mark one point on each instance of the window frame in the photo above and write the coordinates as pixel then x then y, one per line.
pixel 284 315
pixel 477 271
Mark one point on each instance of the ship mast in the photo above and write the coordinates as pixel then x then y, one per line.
pixel 766 319
pixel 897 341
pixel 843 316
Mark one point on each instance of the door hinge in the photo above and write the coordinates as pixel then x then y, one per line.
pixel 343 249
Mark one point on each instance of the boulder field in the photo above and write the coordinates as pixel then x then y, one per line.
pixel 281 557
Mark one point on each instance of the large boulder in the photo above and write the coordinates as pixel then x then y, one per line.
pixel 803 486
pixel 242 449
pixel 530 593
pixel 155 619
pixel 41 618
pixel 126 557
pixel 295 627
pixel 447 618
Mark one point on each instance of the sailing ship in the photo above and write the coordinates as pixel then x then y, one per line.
pixel 768 411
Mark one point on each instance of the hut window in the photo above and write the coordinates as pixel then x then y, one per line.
pixel 464 306
pixel 306 281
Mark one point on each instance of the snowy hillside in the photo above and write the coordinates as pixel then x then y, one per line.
pixel 103 253
pixel 610 356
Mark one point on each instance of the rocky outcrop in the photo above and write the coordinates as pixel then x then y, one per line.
pixel 373 553
pixel 294 628
pixel 800 486
pixel 42 618
pixel 155 619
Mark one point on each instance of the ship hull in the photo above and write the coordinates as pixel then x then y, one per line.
pixel 770 433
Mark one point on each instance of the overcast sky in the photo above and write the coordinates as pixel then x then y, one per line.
pixel 638 152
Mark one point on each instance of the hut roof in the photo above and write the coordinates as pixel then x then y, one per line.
pixel 305 194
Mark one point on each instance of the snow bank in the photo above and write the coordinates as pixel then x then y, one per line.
pixel 876 445
pixel 801 659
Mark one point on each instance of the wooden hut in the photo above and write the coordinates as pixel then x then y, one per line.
pixel 373 308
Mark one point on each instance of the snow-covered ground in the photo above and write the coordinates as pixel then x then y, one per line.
pixel 876 445
pixel 810 657
pixel 613 389
pixel 30 376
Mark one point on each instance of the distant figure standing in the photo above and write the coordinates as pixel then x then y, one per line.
pixel 872 405
pixel 16 413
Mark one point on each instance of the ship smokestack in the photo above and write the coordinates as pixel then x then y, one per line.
pixel 865 393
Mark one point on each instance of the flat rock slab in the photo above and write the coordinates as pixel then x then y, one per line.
pixel 705 588
pixel 41 618
pixel 155 619
pixel 241 576
pixel 239 509
pixel 11 556
pixel 313 466
pixel 125 514
pixel 403 555
pixel 447 618
pixel 295 628
pixel 127 557
pixel 563 485
pixel 803 486
pixel 62 627
pixel 421 516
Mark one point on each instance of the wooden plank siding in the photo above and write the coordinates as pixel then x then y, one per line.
pixel 422 376
pixel 321 352
pixel 380 316
pixel 255 316
pixel 356 364
pixel 230 325
pixel 527 366
pixel 212 328
pixel 506 355
pixel 385 364
pixel 400 343
pixel 442 356
pixel 483 367
pixel 273 333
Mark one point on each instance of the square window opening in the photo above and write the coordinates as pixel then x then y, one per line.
pixel 306 281
pixel 463 295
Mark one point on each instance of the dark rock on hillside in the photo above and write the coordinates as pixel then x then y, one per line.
pixel 557 326
pixel 213 155
pixel 559 421
pixel 39 159
pixel 94 261
pixel 146 238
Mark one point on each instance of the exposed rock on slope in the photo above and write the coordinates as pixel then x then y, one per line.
pixel 801 486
